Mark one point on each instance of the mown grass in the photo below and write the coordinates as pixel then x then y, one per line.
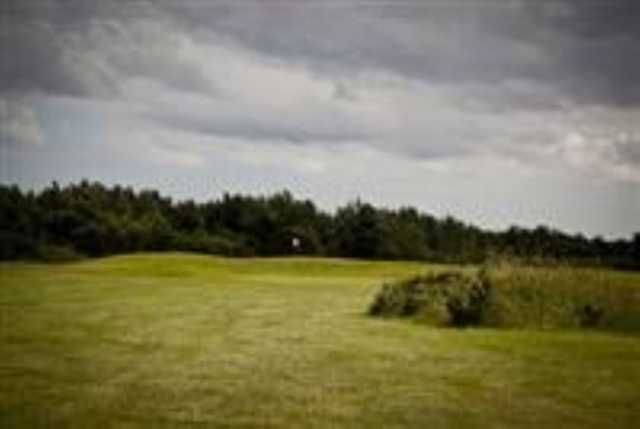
pixel 180 340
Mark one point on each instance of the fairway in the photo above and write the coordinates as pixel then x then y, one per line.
pixel 170 340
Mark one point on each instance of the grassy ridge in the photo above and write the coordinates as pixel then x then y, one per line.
pixel 180 340
pixel 508 295
pixel 565 297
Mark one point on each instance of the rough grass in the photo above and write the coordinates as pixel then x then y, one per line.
pixel 564 297
pixel 179 340
pixel 516 296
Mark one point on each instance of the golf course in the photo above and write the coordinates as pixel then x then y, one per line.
pixel 183 340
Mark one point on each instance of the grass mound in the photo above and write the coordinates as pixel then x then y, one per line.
pixel 513 296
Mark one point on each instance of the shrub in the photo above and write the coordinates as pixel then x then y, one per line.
pixel 590 315
pixel 14 246
pixel 449 298
pixel 53 253
pixel 204 243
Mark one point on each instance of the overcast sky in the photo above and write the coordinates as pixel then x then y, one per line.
pixel 497 112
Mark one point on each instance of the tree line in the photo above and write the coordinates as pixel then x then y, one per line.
pixel 91 219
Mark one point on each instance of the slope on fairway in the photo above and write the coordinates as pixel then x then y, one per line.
pixel 172 339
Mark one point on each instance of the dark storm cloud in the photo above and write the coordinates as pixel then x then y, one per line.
pixel 591 18
pixel 588 51
pixel 598 44
pixel 32 44
pixel 49 46
pixel 423 40
pixel 585 50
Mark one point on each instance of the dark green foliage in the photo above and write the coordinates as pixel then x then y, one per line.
pixel 201 242
pixel 449 298
pixel 96 220
pixel 53 253
pixel 14 245
pixel 358 231
pixel 590 315
pixel 467 307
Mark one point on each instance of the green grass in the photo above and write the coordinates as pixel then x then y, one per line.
pixel 180 340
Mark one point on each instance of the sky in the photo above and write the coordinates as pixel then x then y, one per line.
pixel 497 112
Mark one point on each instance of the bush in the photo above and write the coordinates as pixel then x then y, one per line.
pixel 53 253
pixel 204 243
pixel 15 246
pixel 449 298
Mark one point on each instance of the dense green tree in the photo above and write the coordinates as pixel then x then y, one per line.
pixel 358 231
pixel 95 220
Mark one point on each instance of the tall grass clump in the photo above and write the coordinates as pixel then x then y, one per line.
pixel 512 295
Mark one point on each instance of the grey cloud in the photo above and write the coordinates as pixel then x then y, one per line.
pixel 32 61
pixel 490 61
pixel 591 19
pixel 625 150
pixel 81 49
pixel 33 45
pixel 18 122
pixel 147 49
pixel 251 127
pixel 415 40
pixel 586 51
pixel 596 46
pixel 629 152
pixel 343 92
pixel 217 118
